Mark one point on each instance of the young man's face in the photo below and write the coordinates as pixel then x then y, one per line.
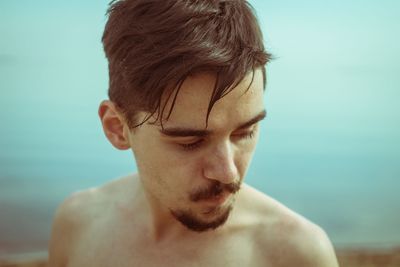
pixel 192 171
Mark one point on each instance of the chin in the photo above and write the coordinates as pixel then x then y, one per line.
pixel 210 219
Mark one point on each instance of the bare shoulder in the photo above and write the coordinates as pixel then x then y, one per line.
pixel 284 237
pixel 69 221
pixel 75 215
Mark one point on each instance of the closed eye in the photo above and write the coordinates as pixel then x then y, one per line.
pixel 196 144
pixel 245 135
pixel 193 145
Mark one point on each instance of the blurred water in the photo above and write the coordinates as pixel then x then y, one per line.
pixel 329 149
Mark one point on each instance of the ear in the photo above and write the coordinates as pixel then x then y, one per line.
pixel 113 125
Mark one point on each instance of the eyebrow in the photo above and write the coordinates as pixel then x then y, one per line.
pixel 187 132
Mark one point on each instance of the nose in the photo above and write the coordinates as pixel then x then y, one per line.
pixel 220 164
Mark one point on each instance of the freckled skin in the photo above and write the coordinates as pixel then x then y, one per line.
pixel 130 221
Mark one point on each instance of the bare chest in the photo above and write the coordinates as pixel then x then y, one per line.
pixel 119 249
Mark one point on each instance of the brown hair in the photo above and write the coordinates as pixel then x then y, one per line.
pixel 152 46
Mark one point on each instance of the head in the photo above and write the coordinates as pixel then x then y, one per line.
pixel 186 90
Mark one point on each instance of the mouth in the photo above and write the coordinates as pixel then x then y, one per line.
pixel 216 200
pixel 217 204
pixel 216 192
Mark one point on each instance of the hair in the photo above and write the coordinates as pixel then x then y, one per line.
pixel 152 46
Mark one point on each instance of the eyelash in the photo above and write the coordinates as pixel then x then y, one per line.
pixel 194 145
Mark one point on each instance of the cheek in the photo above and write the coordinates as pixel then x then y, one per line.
pixel 242 162
pixel 170 172
pixel 244 156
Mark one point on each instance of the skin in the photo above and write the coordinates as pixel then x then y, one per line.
pixel 130 221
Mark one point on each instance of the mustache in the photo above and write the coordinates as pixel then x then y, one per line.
pixel 214 190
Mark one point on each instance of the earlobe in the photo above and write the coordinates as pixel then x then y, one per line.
pixel 113 125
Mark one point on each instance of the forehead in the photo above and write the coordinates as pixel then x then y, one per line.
pixel 191 105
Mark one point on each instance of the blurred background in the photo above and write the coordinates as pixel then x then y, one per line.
pixel 329 148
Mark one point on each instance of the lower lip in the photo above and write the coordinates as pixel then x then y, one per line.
pixel 218 200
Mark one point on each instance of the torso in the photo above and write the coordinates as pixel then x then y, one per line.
pixel 114 250
pixel 114 234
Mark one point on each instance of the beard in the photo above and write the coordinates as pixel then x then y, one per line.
pixel 219 215
pixel 194 223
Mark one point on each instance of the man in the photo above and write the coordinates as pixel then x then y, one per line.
pixel 187 79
